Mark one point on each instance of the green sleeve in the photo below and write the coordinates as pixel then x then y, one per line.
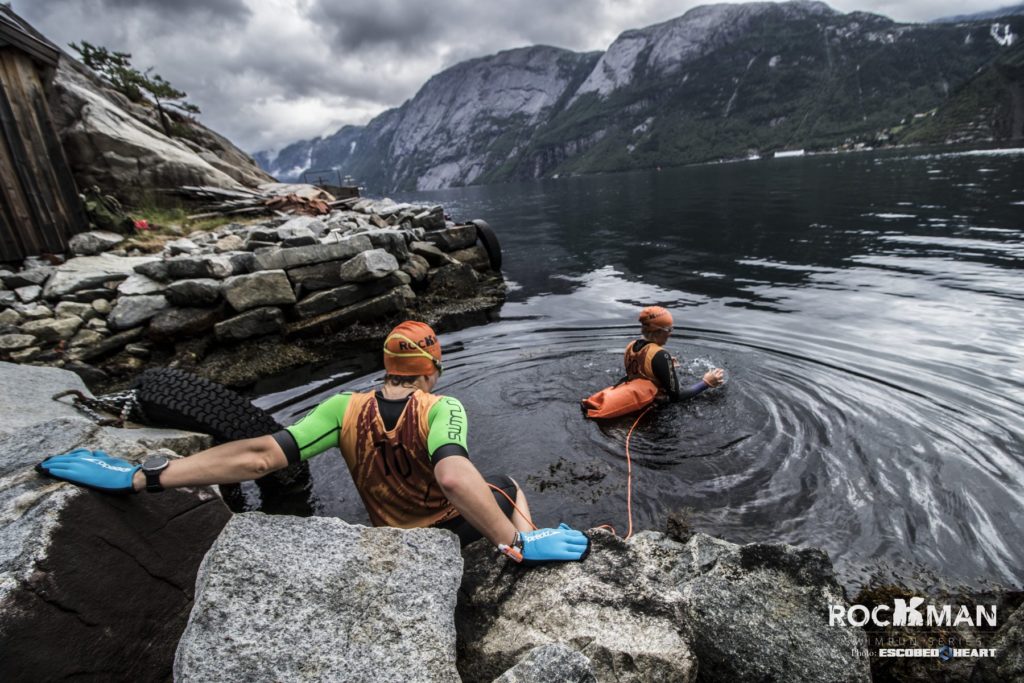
pixel 321 428
pixel 448 424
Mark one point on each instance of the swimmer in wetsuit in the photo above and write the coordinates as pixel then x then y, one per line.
pixel 647 358
pixel 404 446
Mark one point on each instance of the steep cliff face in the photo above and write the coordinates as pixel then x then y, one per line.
pixel 120 146
pixel 719 81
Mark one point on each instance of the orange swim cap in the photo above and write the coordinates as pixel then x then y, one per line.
pixel 412 349
pixel 654 317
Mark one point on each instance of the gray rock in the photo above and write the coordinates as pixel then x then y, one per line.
pixel 346 295
pixel 67 309
pixel 176 323
pixel 191 267
pixel 296 236
pixel 333 321
pixel 408 296
pixel 229 243
pixel 90 272
pixel 456 280
pixel 254 323
pixel 262 288
pixel 264 233
pixel 87 296
pixel 109 345
pixel 86 337
pixel 156 270
pixel 98 324
pixel 52 329
pixel 453 239
pixel 8 299
pixel 1008 662
pixel 181 246
pixel 241 262
pixel 392 241
pixel 368 265
pixel 317 253
pixel 30 276
pixel 94 242
pixel 34 311
pixel 329 592
pixel 9 316
pixel 554 663
pixel 137 284
pixel 316 277
pixel 301 226
pixel 101 306
pixel 199 292
pixel 431 219
pixel 64 551
pixel 417 267
pixel 784 592
pixel 476 257
pixel 132 311
pixel 434 256
pixel 13 342
pixel 26 395
pixel 26 355
pixel 254 245
pixel 617 607
pixel 29 293
pixel 651 608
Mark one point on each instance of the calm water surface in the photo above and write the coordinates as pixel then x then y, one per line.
pixel 867 309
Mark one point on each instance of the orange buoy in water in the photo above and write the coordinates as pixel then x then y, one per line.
pixel 621 399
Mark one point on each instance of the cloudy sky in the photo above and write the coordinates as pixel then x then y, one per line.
pixel 269 72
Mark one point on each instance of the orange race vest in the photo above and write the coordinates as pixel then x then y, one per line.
pixel 636 393
pixel 392 469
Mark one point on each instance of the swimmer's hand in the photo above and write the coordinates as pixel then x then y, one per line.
pixel 94 469
pixel 714 378
pixel 563 544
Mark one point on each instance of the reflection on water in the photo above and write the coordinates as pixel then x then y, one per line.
pixel 867 313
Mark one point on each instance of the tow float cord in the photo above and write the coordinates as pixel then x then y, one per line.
pixel 629 485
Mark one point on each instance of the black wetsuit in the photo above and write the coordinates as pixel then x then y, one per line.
pixel 665 375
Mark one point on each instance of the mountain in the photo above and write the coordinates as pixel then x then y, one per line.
pixel 1007 11
pixel 720 81
pixel 990 106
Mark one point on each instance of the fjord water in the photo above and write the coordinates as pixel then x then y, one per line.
pixel 868 311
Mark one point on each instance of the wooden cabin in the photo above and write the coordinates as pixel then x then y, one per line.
pixel 39 204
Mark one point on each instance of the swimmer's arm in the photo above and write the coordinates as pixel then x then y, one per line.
pixel 466 489
pixel 458 478
pixel 228 463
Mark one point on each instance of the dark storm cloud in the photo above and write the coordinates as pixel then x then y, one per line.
pixel 268 72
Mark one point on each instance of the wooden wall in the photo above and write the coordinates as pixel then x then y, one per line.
pixel 39 204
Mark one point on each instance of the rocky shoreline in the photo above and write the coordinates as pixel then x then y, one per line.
pixel 154 587
pixel 245 301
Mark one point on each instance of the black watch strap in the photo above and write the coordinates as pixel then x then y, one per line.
pixel 153 481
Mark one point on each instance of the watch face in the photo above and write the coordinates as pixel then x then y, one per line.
pixel 154 463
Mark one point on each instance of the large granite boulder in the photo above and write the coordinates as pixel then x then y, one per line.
pixel 285 599
pixel 368 265
pixel 1008 662
pixel 92 585
pixel 652 608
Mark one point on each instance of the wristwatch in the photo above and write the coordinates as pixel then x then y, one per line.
pixel 152 467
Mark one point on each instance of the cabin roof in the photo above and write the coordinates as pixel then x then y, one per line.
pixel 17 33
